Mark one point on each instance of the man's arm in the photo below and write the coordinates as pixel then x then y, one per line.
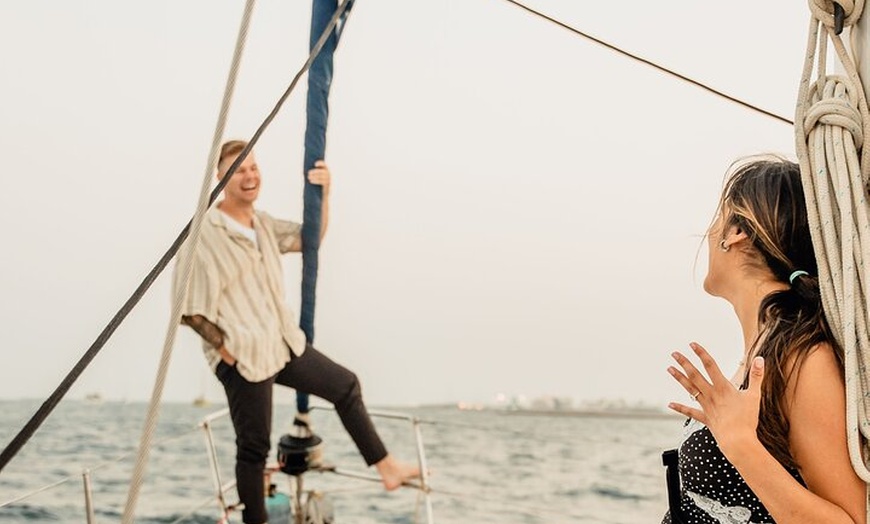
pixel 320 176
pixel 210 333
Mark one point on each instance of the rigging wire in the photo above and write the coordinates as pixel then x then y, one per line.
pixel 184 269
pixel 652 64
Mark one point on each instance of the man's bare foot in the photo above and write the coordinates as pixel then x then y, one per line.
pixel 394 473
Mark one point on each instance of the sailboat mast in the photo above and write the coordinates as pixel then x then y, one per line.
pixel 317 111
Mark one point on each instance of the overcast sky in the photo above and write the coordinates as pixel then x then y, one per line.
pixel 515 210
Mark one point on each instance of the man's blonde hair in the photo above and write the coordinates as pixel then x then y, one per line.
pixel 231 148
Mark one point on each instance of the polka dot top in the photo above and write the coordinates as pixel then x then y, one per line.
pixel 712 491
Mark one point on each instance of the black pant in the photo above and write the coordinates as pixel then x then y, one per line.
pixel 251 410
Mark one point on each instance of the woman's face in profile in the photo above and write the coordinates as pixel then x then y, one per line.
pixel 715 265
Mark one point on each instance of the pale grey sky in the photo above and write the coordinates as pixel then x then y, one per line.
pixel 515 210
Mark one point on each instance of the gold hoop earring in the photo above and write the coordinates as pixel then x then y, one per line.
pixel 723 247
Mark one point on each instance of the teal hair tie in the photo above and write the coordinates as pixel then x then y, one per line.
pixel 795 275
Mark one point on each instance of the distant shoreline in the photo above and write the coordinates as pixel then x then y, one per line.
pixel 589 413
pixel 604 412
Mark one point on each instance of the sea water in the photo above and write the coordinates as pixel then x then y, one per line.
pixel 486 466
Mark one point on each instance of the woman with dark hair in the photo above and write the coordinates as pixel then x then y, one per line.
pixel 770 444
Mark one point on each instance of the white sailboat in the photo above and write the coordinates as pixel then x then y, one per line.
pixel 201 401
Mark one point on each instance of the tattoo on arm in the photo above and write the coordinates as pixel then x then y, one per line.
pixel 208 331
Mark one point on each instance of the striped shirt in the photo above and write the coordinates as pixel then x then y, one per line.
pixel 239 287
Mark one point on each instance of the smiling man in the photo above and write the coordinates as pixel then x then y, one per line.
pixel 251 339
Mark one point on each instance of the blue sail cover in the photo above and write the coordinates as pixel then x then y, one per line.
pixel 319 81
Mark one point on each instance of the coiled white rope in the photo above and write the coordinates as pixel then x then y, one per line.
pixel 831 123
pixel 185 263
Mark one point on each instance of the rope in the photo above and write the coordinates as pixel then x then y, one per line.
pixel 40 490
pixel 830 126
pixel 185 266
pixel 652 64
